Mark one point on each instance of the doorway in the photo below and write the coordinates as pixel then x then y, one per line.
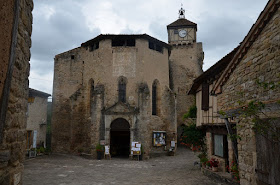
pixel 120 138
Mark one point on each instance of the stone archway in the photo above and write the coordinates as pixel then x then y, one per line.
pixel 120 138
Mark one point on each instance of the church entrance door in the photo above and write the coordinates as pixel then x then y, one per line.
pixel 120 138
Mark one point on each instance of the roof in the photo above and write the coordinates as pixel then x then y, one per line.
pixel 33 93
pixel 213 71
pixel 264 17
pixel 124 36
pixel 182 23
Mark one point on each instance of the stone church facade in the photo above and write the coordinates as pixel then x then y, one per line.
pixel 118 89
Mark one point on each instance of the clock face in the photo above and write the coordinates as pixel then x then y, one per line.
pixel 182 33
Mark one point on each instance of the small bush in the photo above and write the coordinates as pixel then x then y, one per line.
pixel 191 113
pixel 99 148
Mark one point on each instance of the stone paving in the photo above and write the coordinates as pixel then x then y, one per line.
pixel 58 169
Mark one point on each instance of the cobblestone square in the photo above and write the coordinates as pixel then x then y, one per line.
pixel 75 170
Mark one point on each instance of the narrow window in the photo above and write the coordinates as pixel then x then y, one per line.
pixel 91 88
pixel 205 97
pixel 155 46
pixel 91 48
pixel 154 99
pixel 122 90
pixel 72 57
pixel 96 45
pixel 159 48
pixel 151 45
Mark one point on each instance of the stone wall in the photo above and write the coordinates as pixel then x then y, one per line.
pixel 85 95
pixel 223 163
pixel 260 63
pixel 185 65
pixel 16 18
pixel 37 118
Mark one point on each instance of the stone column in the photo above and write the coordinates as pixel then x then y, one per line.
pixel 97 119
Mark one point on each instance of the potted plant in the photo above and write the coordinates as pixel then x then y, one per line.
pixel 214 163
pixel 208 165
pixel 234 171
pixel 99 149
pixel 203 161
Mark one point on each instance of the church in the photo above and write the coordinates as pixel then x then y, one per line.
pixel 115 90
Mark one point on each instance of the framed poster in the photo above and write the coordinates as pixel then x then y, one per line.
pixel 159 138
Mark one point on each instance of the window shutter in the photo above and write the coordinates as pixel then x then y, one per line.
pixel 205 96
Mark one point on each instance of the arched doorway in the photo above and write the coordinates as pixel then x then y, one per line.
pixel 120 138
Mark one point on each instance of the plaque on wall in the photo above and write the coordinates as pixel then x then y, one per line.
pixel 159 138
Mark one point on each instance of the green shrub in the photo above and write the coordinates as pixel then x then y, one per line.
pixel 99 148
pixel 194 137
pixel 191 113
pixel 203 160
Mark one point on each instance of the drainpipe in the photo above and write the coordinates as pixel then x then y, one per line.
pixel 234 141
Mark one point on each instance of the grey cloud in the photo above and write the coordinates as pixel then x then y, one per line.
pixel 159 30
pixel 65 30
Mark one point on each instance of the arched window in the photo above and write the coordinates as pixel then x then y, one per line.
pixel 92 87
pixel 122 89
pixel 155 98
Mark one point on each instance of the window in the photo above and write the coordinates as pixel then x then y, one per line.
pixel 94 46
pixel 205 97
pixel 91 83
pixel 72 57
pixel 130 42
pixel 220 145
pixel 123 42
pixel 155 47
pixel 122 89
pixel 154 99
pixel 151 45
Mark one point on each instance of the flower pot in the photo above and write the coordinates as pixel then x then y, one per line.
pixel 214 169
pixel 203 165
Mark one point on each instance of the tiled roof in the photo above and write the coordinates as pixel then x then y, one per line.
pixel 128 36
pixel 33 92
pixel 182 23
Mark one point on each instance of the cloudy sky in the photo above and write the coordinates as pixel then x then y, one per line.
pixel 60 25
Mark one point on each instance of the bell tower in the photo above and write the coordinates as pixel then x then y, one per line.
pixel 185 61
pixel 182 31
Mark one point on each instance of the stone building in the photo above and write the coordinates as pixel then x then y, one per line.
pixel 218 144
pixel 239 80
pixel 36 127
pixel 119 89
pixel 15 37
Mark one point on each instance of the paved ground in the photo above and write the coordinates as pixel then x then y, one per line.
pixel 74 170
